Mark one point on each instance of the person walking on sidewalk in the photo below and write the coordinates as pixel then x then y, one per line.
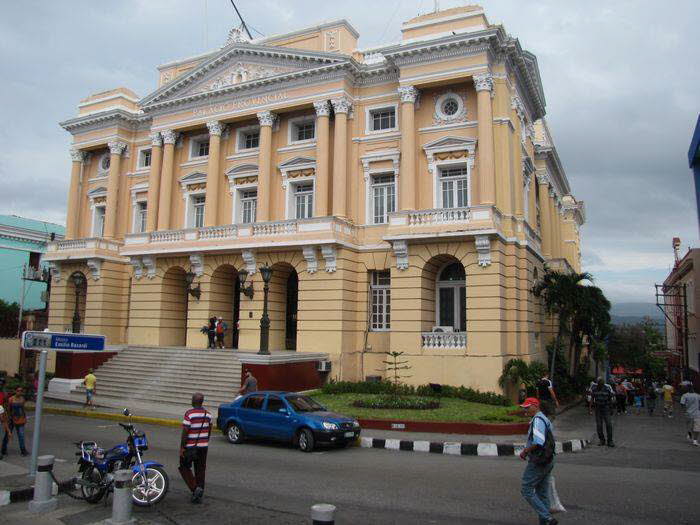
pixel 4 423
pixel 90 382
pixel 651 396
pixel 539 451
pixel 18 418
pixel 621 398
pixel 603 396
pixel 546 394
pixel 691 401
pixel 668 392
pixel 194 444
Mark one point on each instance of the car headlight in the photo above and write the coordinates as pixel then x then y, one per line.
pixel 355 424
pixel 330 426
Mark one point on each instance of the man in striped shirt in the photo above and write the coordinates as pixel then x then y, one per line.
pixel 194 443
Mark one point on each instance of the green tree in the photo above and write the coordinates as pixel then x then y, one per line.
pixel 590 322
pixel 634 346
pixel 561 294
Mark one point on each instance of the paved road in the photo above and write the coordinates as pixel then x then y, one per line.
pixel 652 477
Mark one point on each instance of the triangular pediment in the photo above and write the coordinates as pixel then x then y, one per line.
pixel 100 191
pixel 242 169
pixel 297 162
pixel 238 66
pixel 450 143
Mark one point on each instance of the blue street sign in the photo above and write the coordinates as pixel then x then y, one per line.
pixel 61 342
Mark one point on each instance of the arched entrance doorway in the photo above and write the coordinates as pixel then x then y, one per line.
pixel 174 304
pixel 283 306
pixel 451 297
pixel 226 301
pixel 77 290
pixel 290 339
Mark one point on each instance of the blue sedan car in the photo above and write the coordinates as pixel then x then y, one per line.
pixel 285 416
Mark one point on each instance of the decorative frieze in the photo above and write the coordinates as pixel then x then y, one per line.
pixel 401 254
pixel 483 249
pixel 311 259
pixel 329 256
pixel 95 266
pixel 249 260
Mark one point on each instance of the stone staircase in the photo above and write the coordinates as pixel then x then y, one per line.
pixel 167 376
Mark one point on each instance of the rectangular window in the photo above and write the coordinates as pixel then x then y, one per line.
pixel 198 210
pixel 99 228
pixel 304 201
pixel 304 131
pixel 141 216
pixel 249 204
pixel 383 198
pixel 202 148
pixel 145 158
pixel 250 140
pixel 380 287
pixel 455 187
pixel 383 119
pixel 538 215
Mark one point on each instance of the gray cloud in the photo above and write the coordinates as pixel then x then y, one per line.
pixel 619 78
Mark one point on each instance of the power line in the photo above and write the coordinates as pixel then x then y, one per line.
pixel 242 21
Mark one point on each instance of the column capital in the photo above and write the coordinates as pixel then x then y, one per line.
pixel 156 139
pixel 543 178
pixel 408 94
pixel 341 105
pixel 116 147
pixel 215 127
pixel 77 155
pixel 169 136
pixel 266 118
pixel 322 107
pixel 483 82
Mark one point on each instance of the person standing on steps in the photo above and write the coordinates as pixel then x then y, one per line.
pixel 691 401
pixel 603 396
pixel 18 418
pixel 539 453
pixel 546 394
pixel 90 382
pixel 194 444
pixel 211 333
pixel 220 332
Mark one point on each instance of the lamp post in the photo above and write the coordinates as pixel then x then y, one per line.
pixel 242 276
pixel 79 281
pixel 266 274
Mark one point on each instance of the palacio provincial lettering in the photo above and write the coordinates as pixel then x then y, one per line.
pixel 401 195
pixel 236 105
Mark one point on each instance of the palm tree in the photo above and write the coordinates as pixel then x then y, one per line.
pixel 591 320
pixel 561 294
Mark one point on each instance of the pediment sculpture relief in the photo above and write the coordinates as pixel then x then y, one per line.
pixel 241 72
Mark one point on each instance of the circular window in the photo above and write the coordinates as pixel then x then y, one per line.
pixel 450 107
pixel 104 163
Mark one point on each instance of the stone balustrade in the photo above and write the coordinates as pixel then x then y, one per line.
pixel 167 236
pixel 438 216
pixel 229 231
pixel 72 244
pixel 275 228
pixel 444 340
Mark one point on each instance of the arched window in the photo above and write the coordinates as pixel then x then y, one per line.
pixel 452 297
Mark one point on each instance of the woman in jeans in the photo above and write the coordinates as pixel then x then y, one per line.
pixel 17 419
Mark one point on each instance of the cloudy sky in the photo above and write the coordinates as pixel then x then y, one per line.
pixel 621 81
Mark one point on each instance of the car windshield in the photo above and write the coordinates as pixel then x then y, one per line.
pixel 304 404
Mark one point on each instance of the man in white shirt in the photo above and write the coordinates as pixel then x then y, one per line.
pixel 691 401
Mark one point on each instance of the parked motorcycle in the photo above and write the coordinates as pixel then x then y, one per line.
pixel 96 468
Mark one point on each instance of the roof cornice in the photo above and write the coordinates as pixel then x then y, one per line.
pixel 130 120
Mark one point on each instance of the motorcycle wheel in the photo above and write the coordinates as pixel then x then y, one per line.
pixel 152 490
pixel 92 495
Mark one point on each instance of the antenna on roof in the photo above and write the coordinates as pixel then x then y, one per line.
pixel 437 6
pixel 243 24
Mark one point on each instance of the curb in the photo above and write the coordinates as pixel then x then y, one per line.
pixel 114 417
pixel 27 493
pixel 465 449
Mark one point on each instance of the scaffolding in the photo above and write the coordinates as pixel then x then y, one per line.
pixel 672 300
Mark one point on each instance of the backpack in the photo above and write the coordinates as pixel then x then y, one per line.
pixel 544 454
pixel 601 396
pixel 543 389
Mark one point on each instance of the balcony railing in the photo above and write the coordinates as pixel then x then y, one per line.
pixel 444 340
pixel 438 216
pixel 91 243
pixel 219 232
pixel 168 236
pixel 275 228
pixel 72 244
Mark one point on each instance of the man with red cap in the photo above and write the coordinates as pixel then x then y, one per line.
pixel 539 451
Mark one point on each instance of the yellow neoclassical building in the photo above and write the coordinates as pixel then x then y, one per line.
pixel 406 198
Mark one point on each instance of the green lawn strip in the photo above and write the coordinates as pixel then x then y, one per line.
pixel 450 410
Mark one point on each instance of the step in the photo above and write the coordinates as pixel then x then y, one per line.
pixel 137 360
pixel 230 376
pixel 126 390
pixel 185 400
pixel 183 381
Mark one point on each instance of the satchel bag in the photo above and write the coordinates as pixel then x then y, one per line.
pixel 544 454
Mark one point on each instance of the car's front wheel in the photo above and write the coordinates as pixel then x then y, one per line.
pixel 234 433
pixel 306 440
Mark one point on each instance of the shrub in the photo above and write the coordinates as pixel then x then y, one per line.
pixel 385 387
pixel 402 403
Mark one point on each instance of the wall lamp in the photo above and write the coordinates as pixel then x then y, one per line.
pixel 194 292
pixel 247 291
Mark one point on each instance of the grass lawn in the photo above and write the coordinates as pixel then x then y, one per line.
pixel 450 410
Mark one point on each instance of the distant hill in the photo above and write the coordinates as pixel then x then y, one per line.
pixel 632 313
pixel 631 319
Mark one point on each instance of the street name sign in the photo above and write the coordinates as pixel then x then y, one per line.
pixel 62 342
